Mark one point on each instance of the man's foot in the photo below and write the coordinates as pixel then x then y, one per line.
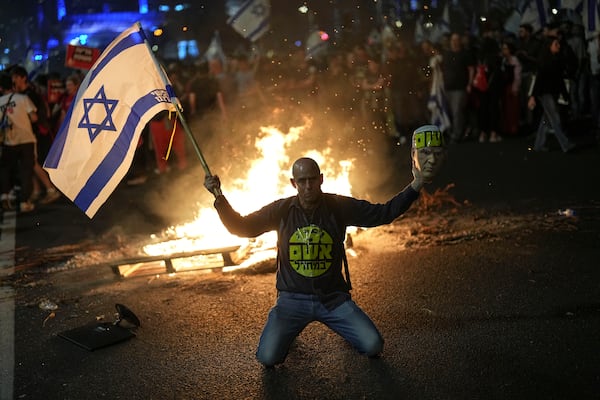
pixel 7 204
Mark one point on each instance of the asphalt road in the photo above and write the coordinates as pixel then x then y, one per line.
pixel 497 298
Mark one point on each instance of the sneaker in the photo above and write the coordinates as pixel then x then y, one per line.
pixel 7 204
pixel 495 138
pixel 26 206
pixel 570 148
pixel 51 195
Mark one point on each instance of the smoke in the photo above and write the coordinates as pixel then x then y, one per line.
pixel 380 168
pixel 379 164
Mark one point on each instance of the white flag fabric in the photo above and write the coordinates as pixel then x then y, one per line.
pixel 419 34
pixel 252 19
pixel 513 22
pixel 535 13
pixel 95 145
pixel 437 102
pixel 316 45
pixel 570 4
pixel 590 17
pixel 442 27
pixel 215 50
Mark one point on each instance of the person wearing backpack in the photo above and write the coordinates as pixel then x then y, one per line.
pixel 312 277
pixel 43 135
pixel 18 145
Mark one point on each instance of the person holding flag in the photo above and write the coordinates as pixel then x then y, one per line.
pixel 313 282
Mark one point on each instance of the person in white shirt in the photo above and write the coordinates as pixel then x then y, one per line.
pixel 18 145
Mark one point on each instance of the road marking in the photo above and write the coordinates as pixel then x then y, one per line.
pixel 7 305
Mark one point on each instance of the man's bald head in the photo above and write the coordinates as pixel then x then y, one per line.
pixel 305 165
pixel 307 179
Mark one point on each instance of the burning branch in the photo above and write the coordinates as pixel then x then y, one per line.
pixel 436 200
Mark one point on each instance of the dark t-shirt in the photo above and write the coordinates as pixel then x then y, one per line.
pixel 310 248
pixel 455 68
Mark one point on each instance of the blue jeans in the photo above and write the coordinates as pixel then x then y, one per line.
pixel 550 119
pixel 294 311
pixel 457 100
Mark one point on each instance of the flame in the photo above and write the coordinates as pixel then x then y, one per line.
pixel 267 179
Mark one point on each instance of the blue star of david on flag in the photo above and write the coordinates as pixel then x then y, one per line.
pixel 99 100
pixel 251 20
pixel 95 145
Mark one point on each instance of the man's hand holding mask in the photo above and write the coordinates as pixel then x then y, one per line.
pixel 428 153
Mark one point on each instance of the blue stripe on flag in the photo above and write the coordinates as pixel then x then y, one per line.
pixel 259 29
pixel 597 11
pixel 132 40
pixel 315 49
pixel 541 12
pixel 55 153
pixel 242 9
pixel 58 144
pixel 115 157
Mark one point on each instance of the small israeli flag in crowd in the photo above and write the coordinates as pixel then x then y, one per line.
pixel 535 13
pixel 252 19
pixel 591 18
pixel 94 147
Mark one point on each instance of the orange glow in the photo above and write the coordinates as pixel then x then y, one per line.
pixel 266 180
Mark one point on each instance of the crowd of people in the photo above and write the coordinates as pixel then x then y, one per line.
pixel 482 88
pixel 474 87
pixel 26 137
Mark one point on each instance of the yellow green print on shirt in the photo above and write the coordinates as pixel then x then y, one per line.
pixel 311 251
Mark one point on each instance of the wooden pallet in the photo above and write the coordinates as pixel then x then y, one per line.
pixel 127 266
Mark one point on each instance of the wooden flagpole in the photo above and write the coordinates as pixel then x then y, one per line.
pixel 178 110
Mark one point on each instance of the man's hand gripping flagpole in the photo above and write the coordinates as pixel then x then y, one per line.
pixel 178 110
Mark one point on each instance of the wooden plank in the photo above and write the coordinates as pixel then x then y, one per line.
pixel 127 266
pixel 172 256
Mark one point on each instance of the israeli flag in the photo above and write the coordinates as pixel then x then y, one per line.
pixel 591 22
pixel 570 4
pixel 215 50
pixel 437 102
pixel 95 145
pixel 419 33
pixel 535 13
pixel 442 27
pixel 252 19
